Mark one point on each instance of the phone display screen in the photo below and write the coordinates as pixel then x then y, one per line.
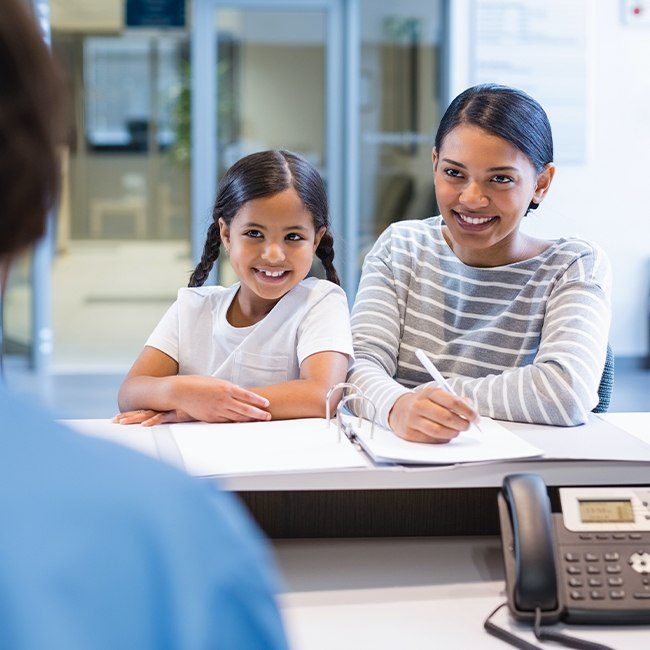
pixel 619 512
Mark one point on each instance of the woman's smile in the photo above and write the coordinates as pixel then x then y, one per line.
pixel 474 222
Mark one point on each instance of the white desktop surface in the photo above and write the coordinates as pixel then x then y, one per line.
pixel 394 593
pixel 415 593
pixel 159 442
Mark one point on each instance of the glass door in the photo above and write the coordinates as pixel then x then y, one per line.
pixel 278 65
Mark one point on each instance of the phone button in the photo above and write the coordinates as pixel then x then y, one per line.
pixel 574 570
pixel 644 595
pixel 593 570
pixel 602 536
pixel 613 568
pixel 577 595
pixel 619 536
pixel 571 557
pixel 595 582
pixel 575 582
pixel 615 582
pixel 596 595
pixel 591 557
pixel 617 594
pixel 612 557
pixel 584 536
pixel 634 535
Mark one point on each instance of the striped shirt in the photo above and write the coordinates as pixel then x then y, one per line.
pixel 524 342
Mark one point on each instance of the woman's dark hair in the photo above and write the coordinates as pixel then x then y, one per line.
pixel 31 128
pixel 263 174
pixel 507 112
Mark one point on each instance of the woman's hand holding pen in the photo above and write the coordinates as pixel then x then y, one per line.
pixel 431 415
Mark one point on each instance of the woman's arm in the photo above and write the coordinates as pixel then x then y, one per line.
pixel 429 415
pixel 560 387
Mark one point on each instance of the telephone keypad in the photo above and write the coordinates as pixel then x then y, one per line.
pixel 601 574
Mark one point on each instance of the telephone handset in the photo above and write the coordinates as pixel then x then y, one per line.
pixel 589 563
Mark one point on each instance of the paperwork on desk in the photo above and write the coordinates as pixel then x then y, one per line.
pixel 263 447
pixel 309 444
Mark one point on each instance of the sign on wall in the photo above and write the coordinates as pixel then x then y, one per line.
pixel 155 13
pixel 540 47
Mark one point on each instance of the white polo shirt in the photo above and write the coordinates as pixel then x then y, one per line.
pixel 312 317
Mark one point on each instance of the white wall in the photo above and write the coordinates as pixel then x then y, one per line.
pixel 604 198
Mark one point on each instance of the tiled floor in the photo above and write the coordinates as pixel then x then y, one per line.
pixel 94 395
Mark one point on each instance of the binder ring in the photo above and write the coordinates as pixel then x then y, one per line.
pixel 349 398
pixel 342 385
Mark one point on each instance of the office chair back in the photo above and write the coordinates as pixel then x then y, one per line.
pixel 606 383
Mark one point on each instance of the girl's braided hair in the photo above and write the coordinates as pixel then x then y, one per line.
pixel 263 174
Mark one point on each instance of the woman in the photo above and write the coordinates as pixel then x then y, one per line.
pixel 518 325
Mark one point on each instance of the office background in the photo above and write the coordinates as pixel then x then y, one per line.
pixel 162 106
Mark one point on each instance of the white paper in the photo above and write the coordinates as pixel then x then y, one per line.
pixel 133 436
pixel 494 442
pixel 263 447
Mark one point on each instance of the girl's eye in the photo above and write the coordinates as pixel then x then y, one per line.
pixel 453 173
pixel 255 234
pixel 294 236
pixel 502 180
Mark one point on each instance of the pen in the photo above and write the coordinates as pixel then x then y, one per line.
pixel 435 373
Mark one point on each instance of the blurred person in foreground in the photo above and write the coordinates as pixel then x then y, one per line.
pixel 101 547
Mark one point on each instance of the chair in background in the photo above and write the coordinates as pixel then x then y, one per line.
pixel 606 383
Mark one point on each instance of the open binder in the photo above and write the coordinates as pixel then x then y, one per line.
pixel 340 441
pixel 493 443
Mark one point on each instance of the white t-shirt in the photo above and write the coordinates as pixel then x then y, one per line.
pixel 312 317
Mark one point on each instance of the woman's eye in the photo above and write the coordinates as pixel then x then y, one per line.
pixel 255 234
pixel 294 236
pixel 453 173
pixel 502 180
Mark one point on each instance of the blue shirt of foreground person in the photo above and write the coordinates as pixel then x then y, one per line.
pixel 101 547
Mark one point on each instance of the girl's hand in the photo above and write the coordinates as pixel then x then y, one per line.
pixel 149 418
pixel 431 415
pixel 215 400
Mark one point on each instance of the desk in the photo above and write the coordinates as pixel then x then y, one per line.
pixel 394 501
pixel 419 593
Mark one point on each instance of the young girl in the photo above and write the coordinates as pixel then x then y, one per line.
pixel 518 325
pixel 269 346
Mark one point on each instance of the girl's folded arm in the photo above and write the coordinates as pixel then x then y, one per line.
pixel 150 383
pixel 305 397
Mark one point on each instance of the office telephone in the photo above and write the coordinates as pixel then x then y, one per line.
pixel 589 563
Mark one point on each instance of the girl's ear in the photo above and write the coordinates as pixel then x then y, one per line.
pixel 319 235
pixel 544 179
pixel 434 159
pixel 224 234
